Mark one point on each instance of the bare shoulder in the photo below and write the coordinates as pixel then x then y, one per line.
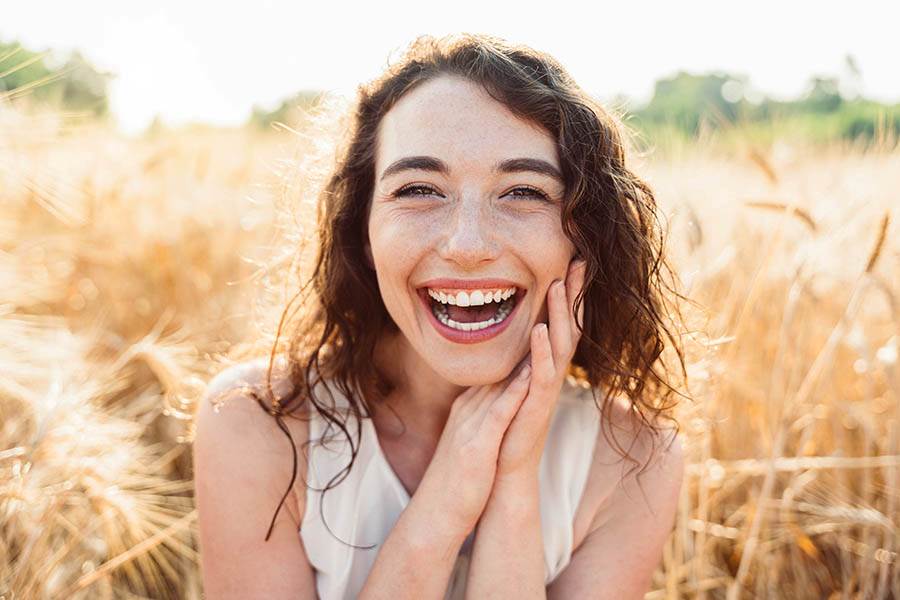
pixel 653 472
pixel 630 514
pixel 235 425
pixel 236 380
pixel 243 465
pixel 613 478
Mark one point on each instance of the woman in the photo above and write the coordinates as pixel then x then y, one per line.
pixel 486 263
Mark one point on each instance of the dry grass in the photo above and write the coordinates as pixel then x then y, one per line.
pixel 130 267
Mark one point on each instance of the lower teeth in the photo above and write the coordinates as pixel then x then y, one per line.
pixel 501 315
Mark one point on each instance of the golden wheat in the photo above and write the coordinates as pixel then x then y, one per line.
pixel 133 268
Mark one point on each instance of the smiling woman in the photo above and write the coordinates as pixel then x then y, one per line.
pixel 481 212
pixel 489 303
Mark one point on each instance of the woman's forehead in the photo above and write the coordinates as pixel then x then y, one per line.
pixel 456 120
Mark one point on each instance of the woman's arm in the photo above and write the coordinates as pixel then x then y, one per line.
pixel 625 545
pixel 508 554
pixel 242 465
pixel 417 558
pixel 508 557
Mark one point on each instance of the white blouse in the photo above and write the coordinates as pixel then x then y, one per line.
pixel 363 508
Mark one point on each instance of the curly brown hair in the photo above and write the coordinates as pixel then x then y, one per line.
pixel 609 214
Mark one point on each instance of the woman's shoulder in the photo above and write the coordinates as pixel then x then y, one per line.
pixel 619 425
pixel 247 378
pixel 236 428
pixel 652 457
pixel 624 438
pixel 237 395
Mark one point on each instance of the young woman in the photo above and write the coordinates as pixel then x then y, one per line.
pixel 488 269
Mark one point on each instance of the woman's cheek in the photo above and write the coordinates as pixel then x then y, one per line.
pixel 391 232
pixel 540 217
pixel 410 226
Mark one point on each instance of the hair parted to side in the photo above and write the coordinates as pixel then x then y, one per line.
pixel 609 214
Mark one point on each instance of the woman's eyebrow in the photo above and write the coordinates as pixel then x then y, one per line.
pixel 535 165
pixel 510 165
pixel 419 163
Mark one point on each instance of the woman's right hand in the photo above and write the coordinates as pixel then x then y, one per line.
pixel 461 474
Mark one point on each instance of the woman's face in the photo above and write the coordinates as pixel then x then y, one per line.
pixel 465 209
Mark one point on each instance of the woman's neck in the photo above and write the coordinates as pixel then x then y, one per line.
pixel 421 397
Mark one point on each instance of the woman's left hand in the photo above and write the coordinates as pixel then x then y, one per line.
pixel 551 353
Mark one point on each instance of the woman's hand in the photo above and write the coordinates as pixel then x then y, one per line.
pixel 469 458
pixel 461 474
pixel 551 353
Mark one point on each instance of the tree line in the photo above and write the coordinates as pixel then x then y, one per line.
pixel 685 104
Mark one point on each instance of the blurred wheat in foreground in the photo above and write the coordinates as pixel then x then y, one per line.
pixel 131 266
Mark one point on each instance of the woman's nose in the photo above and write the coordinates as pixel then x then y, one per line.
pixel 470 236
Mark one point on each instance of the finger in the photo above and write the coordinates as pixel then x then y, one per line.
pixel 470 392
pixel 502 410
pixel 574 286
pixel 470 400
pixel 544 369
pixel 543 389
pixel 525 362
pixel 491 393
pixel 487 396
pixel 560 322
pixel 486 393
pixel 499 387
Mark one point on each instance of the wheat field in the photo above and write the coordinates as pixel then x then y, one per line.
pixel 133 269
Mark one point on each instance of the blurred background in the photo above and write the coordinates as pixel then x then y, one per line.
pixel 158 175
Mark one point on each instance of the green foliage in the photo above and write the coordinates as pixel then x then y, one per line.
pixel 685 99
pixel 824 96
pixel 867 120
pixel 683 107
pixel 686 105
pixel 74 84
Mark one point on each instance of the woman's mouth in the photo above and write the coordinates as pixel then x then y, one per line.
pixel 473 315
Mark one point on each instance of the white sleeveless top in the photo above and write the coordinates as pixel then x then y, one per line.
pixel 363 508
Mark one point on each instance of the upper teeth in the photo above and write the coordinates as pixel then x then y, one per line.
pixel 472 297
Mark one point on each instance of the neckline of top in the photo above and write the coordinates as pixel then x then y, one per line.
pixel 380 456
pixel 402 495
pixel 398 486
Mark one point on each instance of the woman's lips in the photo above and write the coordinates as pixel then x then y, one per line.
pixel 469 337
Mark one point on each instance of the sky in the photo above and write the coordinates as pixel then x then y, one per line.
pixel 196 60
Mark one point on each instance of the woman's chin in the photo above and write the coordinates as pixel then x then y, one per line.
pixel 469 375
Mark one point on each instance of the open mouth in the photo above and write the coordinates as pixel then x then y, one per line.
pixel 472 310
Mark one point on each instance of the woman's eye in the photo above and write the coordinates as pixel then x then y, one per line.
pixel 425 190
pixel 528 192
pixel 415 190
